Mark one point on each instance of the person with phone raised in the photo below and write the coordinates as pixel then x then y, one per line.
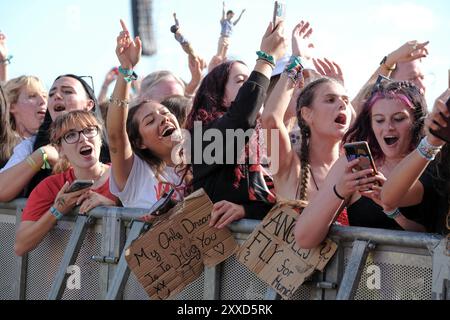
pixel 391 121
pixel 76 135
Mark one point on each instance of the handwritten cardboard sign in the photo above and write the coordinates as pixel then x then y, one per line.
pixel 272 253
pixel 172 254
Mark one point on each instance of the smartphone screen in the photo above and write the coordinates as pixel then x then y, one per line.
pixel 79 185
pixel 279 12
pixel 360 150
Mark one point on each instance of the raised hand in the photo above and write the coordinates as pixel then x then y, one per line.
pixel 301 43
pixel 329 69
pixel 128 51
pixel 411 50
pixel 438 118
pixel 274 41
pixel 3 50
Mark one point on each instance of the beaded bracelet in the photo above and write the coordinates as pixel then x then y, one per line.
pixel 120 103
pixel 294 69
pixel 427 150
pixel 393 214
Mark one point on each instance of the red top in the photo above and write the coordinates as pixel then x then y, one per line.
pixel 44 195
pixel 342 219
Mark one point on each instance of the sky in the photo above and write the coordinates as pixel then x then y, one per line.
pixel 48 38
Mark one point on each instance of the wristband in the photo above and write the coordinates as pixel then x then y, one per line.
pixel 45 164
pixel 129 74
pixel 427 150
pixel 266 57
pixel 337 194
pixel 7 60
pixel 56 213
pixel 33 164
pixel 383 63
pixel 393 214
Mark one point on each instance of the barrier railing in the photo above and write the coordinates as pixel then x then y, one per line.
pixel 81 259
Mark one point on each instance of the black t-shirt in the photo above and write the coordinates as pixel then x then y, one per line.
pixel 243 184
pixel 429 213
pixel 434 202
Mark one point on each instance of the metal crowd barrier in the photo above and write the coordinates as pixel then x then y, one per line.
pixel 370 264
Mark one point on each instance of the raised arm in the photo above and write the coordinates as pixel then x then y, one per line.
pixel 110 77
pixel 411 50
pixel 275 109
pixel 224 15
pixel 3 58
pixel 129 53
pixel 403 187
pixel 239 18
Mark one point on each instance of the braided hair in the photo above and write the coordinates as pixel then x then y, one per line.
pixel 305 100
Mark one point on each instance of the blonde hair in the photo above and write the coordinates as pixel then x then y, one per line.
pixel 66 122
pixel 154 78
pixel 14 87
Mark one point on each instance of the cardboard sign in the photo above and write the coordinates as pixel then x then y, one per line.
pixel 172 254
pixel 272 253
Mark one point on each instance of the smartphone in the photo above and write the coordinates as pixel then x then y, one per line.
pixel 360 150
pixel 79 185
pixel 443 133
pixel 163 205
pixel 279 12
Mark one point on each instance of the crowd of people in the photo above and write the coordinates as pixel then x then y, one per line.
pixel 125 144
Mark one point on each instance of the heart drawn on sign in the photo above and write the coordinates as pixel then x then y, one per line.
pixel 219 248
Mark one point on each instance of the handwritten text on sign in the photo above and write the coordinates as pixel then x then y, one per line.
pixel 272 253
pixel 172 254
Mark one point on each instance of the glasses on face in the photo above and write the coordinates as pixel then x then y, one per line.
pixel 73 136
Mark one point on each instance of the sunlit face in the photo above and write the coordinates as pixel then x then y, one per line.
pixel 239 73
pixel 85 152
pixel 156 126
pixel 164 89
pixel 331 111
pixel 67 94
pixel 410 71
pixel 29 110
pixel 392 123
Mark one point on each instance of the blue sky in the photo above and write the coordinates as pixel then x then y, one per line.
pixel 49 37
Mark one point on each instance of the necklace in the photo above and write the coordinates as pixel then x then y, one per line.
pixel 314 179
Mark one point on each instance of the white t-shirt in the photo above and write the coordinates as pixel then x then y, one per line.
pixel 20 153
pixel 142 189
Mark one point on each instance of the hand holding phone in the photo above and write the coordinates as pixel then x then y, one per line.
pixel 279 12
pixel 79 185
pixel 360 150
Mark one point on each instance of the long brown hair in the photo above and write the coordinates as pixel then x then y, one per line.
pixel 305 100
pixel 8 137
